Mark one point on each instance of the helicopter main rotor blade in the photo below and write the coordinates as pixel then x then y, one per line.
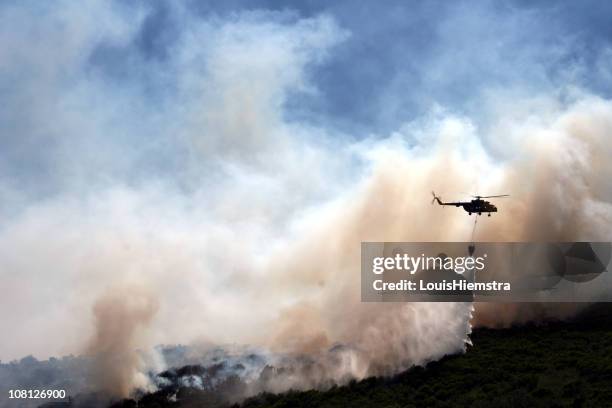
pixel 493 196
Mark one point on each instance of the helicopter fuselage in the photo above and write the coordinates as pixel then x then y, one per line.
pixel 477 207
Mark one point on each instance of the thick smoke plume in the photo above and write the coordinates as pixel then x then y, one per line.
pixel 121 319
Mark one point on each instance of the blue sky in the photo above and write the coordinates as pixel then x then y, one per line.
pixel 420 52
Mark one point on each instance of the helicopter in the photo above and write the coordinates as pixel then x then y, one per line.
pixel 476 206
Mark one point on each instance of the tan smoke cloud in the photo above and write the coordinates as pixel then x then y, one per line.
pixel 122 316
pixel 560 195
pixel 555 187
pixel 323 266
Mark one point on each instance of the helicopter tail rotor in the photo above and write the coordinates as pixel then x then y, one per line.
pixel 435 197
